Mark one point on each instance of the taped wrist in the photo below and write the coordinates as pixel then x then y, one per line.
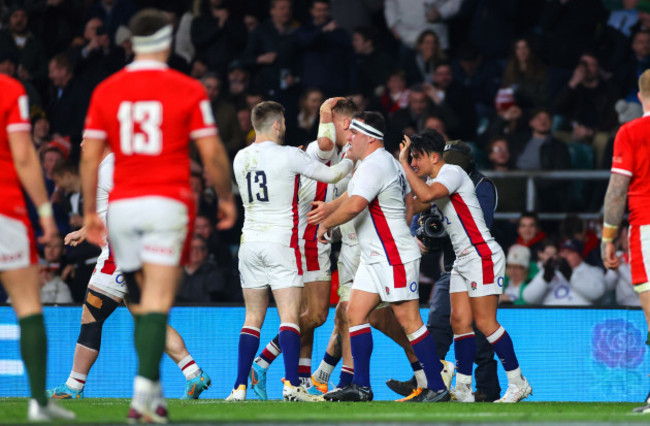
pixel 327 130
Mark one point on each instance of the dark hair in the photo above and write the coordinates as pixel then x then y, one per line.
pixel 345 106
pixel 63 167
pixel 147 22
pixel 372 119
pixel 429 141
pixel 62 60
pixel 368 33
pixel 265 114
pixel 529 214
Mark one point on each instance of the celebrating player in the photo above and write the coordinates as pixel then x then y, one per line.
pixel 20 168
pixel 335 117
pixel 148 113
pixel 268 176
pixel 106 290
pixel 478 272
pixel 629 179
pixel 379 201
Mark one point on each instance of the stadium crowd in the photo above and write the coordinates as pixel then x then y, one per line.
pixel 531 85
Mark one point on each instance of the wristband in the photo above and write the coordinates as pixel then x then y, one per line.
pixel 45 210
pixel 609 232
pixel 327 130
pixel 606 240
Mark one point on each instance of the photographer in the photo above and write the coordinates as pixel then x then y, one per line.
pixel 431 236
pixel 566 280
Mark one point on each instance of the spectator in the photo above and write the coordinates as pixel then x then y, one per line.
pixel 453 102
pixel 353 14
pixel 527 76
pixel 512 191
pixel 643 15
pixel 619 280
pixel 216 35
pixel 573 227
pixel 52 272
pixel 517 268
pixel 183 38
pixel 373 66
pixel 436 123
pixel 566 280
pixel 308 117
pixel 492 27
pixel 588 95
pixel 529 233
pixel 499 154
pixel 225 115
pixel 238 79
pixel 271 51
pixel 327 57
pixel 27 49
pixel 408 18
pixel 217 251
pixel 40 129
pixel 68 101
pixel 545 251
pixel 396 95
pixel 428 53
pixel 244 118
pixel 410 120
pixel 112 13
pixel 203 282
pixel 628 73
pixel 624 19
pixel 537 149
pixel 66 178
pixel 8 66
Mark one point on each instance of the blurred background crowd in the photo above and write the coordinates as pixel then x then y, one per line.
pixel 532 85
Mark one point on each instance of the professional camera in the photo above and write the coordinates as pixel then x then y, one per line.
pixel 431 231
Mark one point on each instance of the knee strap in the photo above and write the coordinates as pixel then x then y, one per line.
pixel 90 335
pixel 101 307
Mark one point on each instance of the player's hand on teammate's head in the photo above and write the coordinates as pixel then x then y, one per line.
pixel 95 229
pixel 404 150
pixel 75 238
pixel 227 214
pixel 608 252
pixel 320 211
pixel 49 229
pixel 329 104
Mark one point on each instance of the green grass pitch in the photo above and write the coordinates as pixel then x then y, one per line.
pixel 99 410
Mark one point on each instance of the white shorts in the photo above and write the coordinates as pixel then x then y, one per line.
pixel 315 261
pixel 392 283
pixel 17 245
pixel 348 264
pixel 107 277
pixel 639 237
pixel 478 277
pixel 153 230
pixel 264 264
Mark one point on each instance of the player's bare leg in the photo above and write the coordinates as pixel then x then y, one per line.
pixel 256 302
pixel 315 307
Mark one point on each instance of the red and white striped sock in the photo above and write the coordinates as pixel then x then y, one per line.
pixel 76 381
pixel 189 368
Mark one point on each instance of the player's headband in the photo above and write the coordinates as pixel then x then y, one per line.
pixel 362 127
pixel 156 42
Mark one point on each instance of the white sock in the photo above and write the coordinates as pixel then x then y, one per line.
pixel 189 367
pixel 144 391
pixel 76 381
pixel 463 379
pixel 514 376
pixel 420 378
pixel 324 372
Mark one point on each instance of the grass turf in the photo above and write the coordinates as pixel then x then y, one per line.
pixel 98 410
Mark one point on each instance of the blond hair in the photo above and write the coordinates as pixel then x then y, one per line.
pixel 644 84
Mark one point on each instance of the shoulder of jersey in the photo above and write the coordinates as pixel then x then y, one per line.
pixel 637 122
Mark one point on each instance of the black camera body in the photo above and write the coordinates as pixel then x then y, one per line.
pixel 431 231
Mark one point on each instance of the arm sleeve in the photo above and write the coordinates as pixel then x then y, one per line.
pixel 201 118
pixel 486 198
pixel 368 182
pixel 391 12
pixel 535 291
pixel 18 117
pixel 623 158
pixel 303 164
pixel 450 178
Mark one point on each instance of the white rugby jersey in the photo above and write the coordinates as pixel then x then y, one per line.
pixel 268 177
pixel 462 215
pixel 381 228
pixel 313 190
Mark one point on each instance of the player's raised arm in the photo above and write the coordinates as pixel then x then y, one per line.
pixel 425 193
pixel 326 130
pixel 29 173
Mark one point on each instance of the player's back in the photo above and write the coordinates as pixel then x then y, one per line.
pixel 462 214
pixel 149 113
pixel 269 188
pixel 632 158
pixel 14 116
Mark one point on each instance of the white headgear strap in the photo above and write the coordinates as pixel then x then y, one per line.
pixel 364 128
pixel 156 42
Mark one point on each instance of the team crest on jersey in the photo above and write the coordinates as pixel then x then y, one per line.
pixel 474 285
pixel 387 290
